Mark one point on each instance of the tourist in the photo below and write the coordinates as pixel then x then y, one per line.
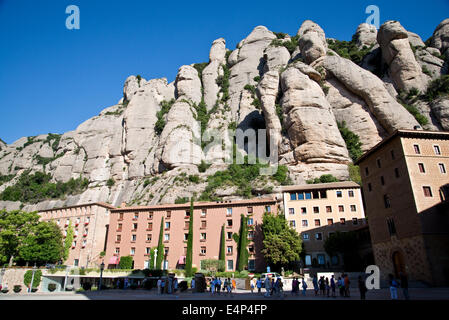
pixel 218 285
pixel 234 285
pixel 175 285
pixel 327 287
pixel 341 286
pixel 273 287
pixel 393 287
pixel 163 286
pixel 347 283
pixel 126 283
pixel 322 285
pixel 192 285
pixel 280 287
pixel 404 285
pixel 267 286
pixel 315 284
pixel 362 288
pixel 252 285
pixel 333 286
pixel 212 286
pixel 229 287
pixel 304 287
pixel 259 286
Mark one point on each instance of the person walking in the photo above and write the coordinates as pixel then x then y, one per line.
pixel 341 286
pixel 347 283
pixel 322 285
pixel 234 285
pixel 229 288
pixel 362 288
pixel 315 284
pixel 293 286
pixel 192 285
pixel 273 287
pixel 327 286
pixel 393 287
pixel 304 287
pixel 218 286
pixel 333 286
pixel 259 286
pixel 404 285
pixel 267 287
pixel 251 285
pixel 175 285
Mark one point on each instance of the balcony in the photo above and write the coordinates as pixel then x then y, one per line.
pixel 86 223
pixel 85 235
pixel 119 230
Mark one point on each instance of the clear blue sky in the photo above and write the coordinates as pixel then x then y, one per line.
pixel 52 79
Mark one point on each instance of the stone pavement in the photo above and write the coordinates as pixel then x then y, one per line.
pixel 382 294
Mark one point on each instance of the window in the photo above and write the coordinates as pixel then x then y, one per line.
pixel 334 260
pixel 150 226
pixel 366 171
pixel 382 180
pixel 186 236
pixel 305 236
pixel 421 168
pixel 250 221
pixel 305 223
pixel 229 223
pixel 342 221
pixel 203 212
pixel 308 260
pixel 250 209
pixel 351 193
pixel 291 210
pixel 229 236
pixel 150 215
pixel 442 168
pixel 392 155
pixel 229 250
pixel 317 222
pixel 328 209
pixel 316 195
pixel 117 250
pixel 229 211
pixel 118 238
pixel 133 237
pixel 308 195
pixel 119 227
pixel 353 208
pixel 203 251
pixel 133 251
pixel 379 165
pixel 321 259
pixel 251 249
pixel 120 217
pixel 303 210
pixel 168 215
pixel 300 196
pixel 73 244
pixel 330 222
pixel 147 250
pixel 355 221
pixel 187 214
pixel 268 208
pixel 134 226
pixel 230 265
pixel 341 208
pixel 427 191
pixel 136 215
pixel 203 224
pixel 437 150
pixel 148 237
pixel 396 172
pixel 387 202
pixel 167 225
pixel 339 194
pixel 370 188
pixel 251 235
pixel 292 223
pixel 391 227
pixel 203 236
pixel 292 196
pixel 316 209
pixel 76 262
pixel 167 237
pixel 186 224
pixel 318 236
pixel 251 264
pixel 416 148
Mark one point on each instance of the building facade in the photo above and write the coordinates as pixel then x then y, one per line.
pixel 406 191
pixel 318 210
pixel 90 225
pixel 134 231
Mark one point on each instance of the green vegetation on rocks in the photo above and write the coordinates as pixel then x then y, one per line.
pixel 352 141
pixel 165 108
pixel 349 50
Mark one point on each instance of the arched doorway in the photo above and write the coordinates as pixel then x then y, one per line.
pixel 398 263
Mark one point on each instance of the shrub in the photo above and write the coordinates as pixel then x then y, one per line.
pixel 181 200
pixel 437 88
pixel 194 178
pixel 126 262
pixel 290 45
pixel 352 141
pixel 422 120
pixel 51 287
pixel 426 71
pixel 37 278
pixel 165 108
pixel 203 166
pixel 354 173
pixel 325 178
pixel 17 288
pixel 110 182
pixel 200 67
pixel 349 50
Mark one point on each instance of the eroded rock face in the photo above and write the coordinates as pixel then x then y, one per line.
pixel 366 35
pixel 440 38
pixel 440 109
pixel 277 57
pixel 312 41
pixel 390 114
pixel 213 71
pixel 310 122
pixel 188 84
pixel 397 53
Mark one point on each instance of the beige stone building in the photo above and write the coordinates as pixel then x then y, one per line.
pixel 318 210
pixel 90 224
pixel 406 191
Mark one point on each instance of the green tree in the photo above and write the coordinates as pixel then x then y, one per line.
pixel 282 245
pixel 189 254
pixel 325 178
pixel 29 275
pixel 68 241
pixel 151 262
pixel 43 244
pixel 243 254
pixel 126 262
pixel 352 141
pixel 222 246
pixel 15 227
pixel 160 247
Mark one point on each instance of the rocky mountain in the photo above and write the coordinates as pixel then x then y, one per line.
pixel 302 89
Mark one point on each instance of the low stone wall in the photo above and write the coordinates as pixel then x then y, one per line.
pixel 13 277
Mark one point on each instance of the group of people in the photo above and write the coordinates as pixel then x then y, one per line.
pixel 167 285
pixel 296 283
pixel 216 285
pixel 402 282
pixel 272 287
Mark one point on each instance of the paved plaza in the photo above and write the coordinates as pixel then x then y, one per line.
pixel 382 294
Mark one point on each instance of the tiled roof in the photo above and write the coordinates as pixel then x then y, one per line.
pixel 320 186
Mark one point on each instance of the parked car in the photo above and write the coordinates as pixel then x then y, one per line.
pixel 270 275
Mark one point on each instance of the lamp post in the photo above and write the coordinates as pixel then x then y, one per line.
pixel 32 278
pixel 101 274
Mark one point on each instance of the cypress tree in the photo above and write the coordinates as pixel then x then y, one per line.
pixel 160 247
pixel 190 243
pixel 222 246
pixel 243 243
